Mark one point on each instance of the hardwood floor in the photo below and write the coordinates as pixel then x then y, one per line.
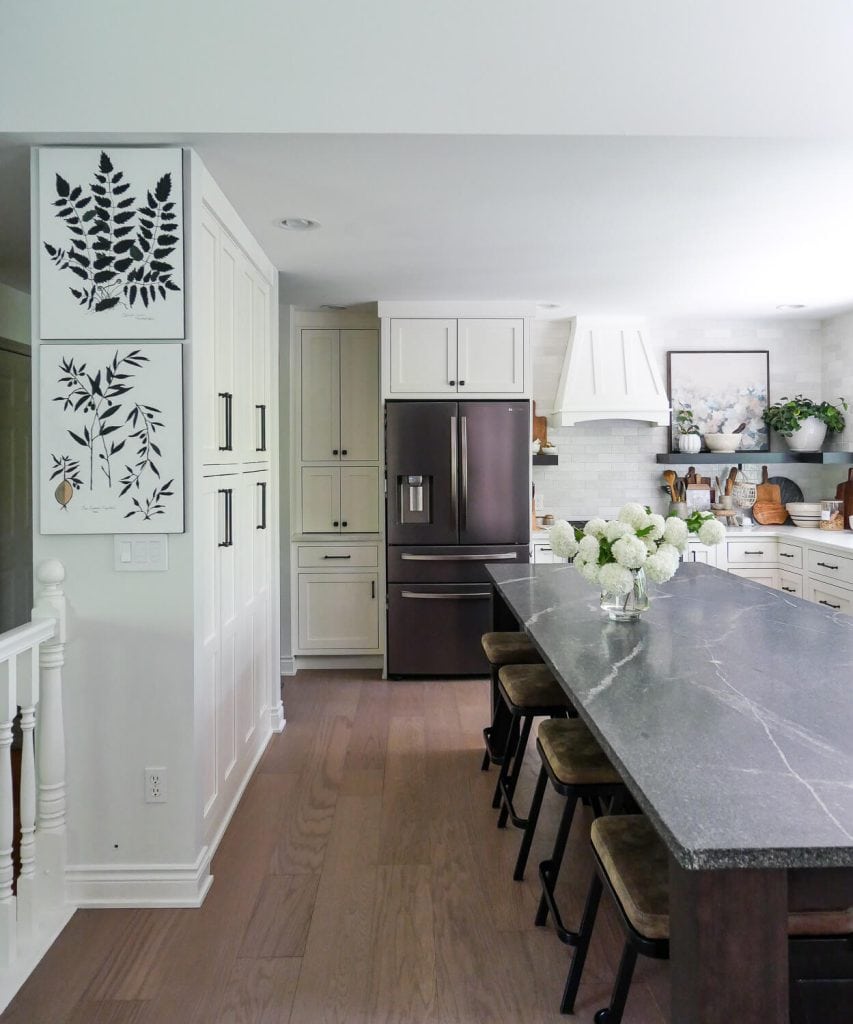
pixel 362 881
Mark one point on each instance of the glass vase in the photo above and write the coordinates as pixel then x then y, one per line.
pixel 627 607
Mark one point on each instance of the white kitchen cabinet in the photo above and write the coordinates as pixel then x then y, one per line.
pixel 340 499
pixel 542 553
pixel 791 582
pixel 830 595
pixel 433 357
pixel 757 551
pixel 830 565
pixel 339 398
pixel 260 437
pixel 697 552
pixel 338 611
pixel 790 555
pixel 768 576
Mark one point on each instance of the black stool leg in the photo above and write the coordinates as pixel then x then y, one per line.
pixel 613 1014
pixel 511 780
pixel 550 869
pixel 495 736
pixel 511 743
pixel 530 827
pixel 573 979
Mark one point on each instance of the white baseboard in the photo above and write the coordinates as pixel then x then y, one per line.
pixel 288 666
pixel 31 951
pixel 140 885
pixel 338 661
pixel 277 719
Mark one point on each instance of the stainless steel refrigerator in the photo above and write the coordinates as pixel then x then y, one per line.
pixel 458 486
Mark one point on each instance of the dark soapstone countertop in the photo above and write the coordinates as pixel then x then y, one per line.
pixel 728 709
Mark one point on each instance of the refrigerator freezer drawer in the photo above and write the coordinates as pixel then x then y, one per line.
pixel 450 564
pixel 435 630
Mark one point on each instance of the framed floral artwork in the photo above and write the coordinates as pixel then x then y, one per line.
pixel 723 389
pixel 111 243
pixel 111 447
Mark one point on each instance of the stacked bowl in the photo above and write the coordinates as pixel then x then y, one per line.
pixel 804 513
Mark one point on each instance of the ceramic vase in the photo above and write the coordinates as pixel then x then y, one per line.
pixel 689 443
pixel 810 436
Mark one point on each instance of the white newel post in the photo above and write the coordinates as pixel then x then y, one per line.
pixel 50 849
pixel 8 710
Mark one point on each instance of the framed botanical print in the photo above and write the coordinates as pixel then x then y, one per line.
pixel 111 243
pixel 111 445
pixel 723 390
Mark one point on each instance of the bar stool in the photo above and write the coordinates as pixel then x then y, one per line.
pixel 578 769
pixel 527 692
pixel 631 862
pixel 502 649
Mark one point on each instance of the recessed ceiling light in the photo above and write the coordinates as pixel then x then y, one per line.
pixel 786 306
pixel 298 224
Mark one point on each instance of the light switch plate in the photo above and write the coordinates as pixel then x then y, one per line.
pixel 135 552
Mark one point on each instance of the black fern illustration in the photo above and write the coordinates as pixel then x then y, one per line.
pixel 69 470
pixel 153 506
pixel 119 248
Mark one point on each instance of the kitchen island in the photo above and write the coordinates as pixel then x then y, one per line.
pixel 728 711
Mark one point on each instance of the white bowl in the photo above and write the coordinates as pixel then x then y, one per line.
pixel 722 442
pixel 807 524
pixel 803 507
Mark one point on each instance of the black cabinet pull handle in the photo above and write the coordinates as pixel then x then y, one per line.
pixel 343 451
pixel 229 439
pixel 826 565
pixel 452 383
pixel 335 523
pixel 789 590
pixel 262 409
pixel 373 589
pixel 785 554
pixel 753 552
pixel 263 523
pixel 461 383
pixel 829 604
pixel 344 523
pixel 334 451
pixel 333 557
pixel 229 523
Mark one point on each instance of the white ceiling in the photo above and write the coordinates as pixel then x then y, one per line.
pixel 668 227
pixel 681 157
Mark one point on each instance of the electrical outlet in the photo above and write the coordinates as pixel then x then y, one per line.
pixel 155 785
pixel 540 503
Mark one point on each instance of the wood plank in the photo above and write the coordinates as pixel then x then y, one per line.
pixel 110 1011
pixel 260 991
pixel 279 924
pixel 134 967
pixel 403 982
pixel 368 744
pixel 404 834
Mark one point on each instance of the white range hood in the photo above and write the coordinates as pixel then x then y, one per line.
pixel 609 373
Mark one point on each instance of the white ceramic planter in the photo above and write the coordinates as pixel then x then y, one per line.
pixel 690 444
pixel 810 436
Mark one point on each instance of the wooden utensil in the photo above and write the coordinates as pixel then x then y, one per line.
pixel 769 513
pixel 670 476
pixel 767 492
pixel 540 428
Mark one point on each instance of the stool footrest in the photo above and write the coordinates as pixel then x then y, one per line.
pixel 547 878
pixel 506 798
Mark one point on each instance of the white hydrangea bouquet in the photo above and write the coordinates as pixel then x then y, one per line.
pixel 620 554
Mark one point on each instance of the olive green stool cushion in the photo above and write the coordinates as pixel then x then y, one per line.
pixel 573 754
pixel 634 858
pixel 531 686
pixel 509 649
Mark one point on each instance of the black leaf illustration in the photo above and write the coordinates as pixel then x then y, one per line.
pixel 62 186
pixel 107 303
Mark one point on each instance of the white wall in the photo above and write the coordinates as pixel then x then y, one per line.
pixel 837 367
pixel 604 464
pixel 14 315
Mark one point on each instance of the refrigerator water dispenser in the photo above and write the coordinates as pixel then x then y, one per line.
pixel 414 504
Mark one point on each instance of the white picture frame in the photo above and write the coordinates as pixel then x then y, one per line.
pixel 111 243
pixel 111 438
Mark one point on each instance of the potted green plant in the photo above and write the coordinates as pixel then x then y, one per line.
pixel 804 423
pixel 689 439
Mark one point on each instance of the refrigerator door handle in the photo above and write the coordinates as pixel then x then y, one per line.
pixel 415 596
pixel 454 473
pixel 502 557
pixel 464 432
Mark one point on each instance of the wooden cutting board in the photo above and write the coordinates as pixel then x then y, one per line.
pixel 769 513
pixel 844 492
pixel 540 428
pixel 767 492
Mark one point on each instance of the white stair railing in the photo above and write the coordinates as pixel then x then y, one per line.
pixel 31 659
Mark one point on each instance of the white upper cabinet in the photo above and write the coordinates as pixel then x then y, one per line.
pixel 359 499
pixel 490 356
pixel 474 357
pixel 340 499
pixel 340 396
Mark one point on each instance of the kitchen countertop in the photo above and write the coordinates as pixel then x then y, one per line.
pixel 727 708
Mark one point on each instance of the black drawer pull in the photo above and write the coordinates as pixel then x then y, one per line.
pixel 826 565
pixel 753 552
pixel 789 590
pixel 332 558
pixel 786 554
pixel 829 604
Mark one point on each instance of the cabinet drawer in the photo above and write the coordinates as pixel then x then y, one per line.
pixel 337 556
pixel 791 583
pixel 769 577
pixel 790 556
pixel 835 598
pixel 752 552
pixel 824 563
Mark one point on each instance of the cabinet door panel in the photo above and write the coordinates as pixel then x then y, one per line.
pixel 423 357
pixel 791 583
pixel 491 356
pixel 321 499
pixel 338 611
pixel 209 407
pixel 261 437
pixel 359 499
pixel 321 427
pixel 224 356
pixel 243 414
pixel 359 377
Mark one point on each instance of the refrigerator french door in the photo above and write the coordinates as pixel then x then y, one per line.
pixel 457 485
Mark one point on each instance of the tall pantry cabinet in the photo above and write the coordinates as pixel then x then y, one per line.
pixel 237 650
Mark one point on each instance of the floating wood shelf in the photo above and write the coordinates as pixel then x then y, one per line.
pixel 545 460
pixel 739 458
